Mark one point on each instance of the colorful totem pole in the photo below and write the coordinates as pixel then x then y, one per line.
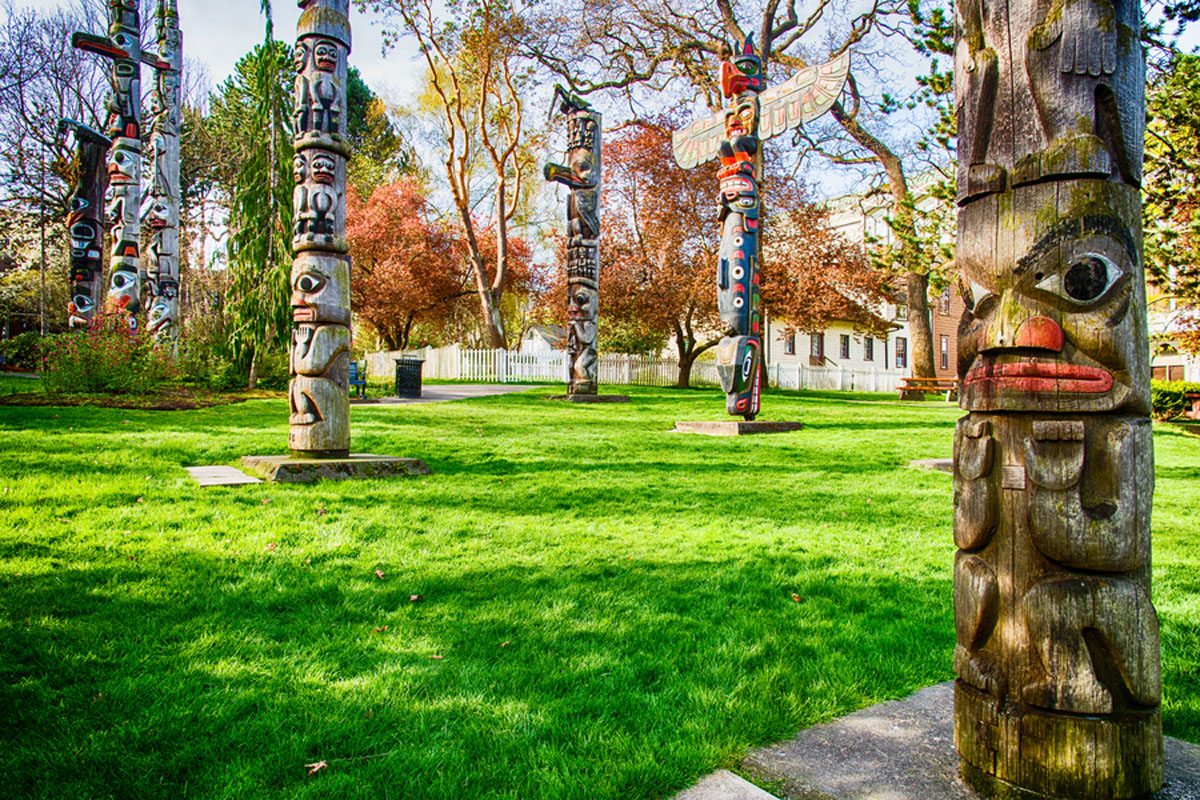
pixel 754 114
pixel 1057 657
pixel 582 177
pixel 85 229
pixel 160 212
pixel 124 162
pixel 320 362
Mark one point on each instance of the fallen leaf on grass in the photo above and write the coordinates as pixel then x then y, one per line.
pixel 321 512
pixel 379 574
pixel 138 500
pixel 313 769
pixel 797 598
pixel 505 644
pixel 436 658
pixel 416 598
pixel 308 560
pixel 381 629
pixel 266 501
pixel 270 546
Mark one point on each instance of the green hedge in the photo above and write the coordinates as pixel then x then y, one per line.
pixel 1168 399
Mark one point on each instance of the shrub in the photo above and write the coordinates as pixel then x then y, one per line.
pixel 21 351
pixel 107 357
pixel 1168 399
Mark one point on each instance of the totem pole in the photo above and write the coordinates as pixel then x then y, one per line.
pixel 320 362
pixel 582 177
pixel 1057 654
pixel 85 230
pixel 124 162
pixel 160 212
pixel 753 115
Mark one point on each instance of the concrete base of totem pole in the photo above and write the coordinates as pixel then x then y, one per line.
pixel 358 466
pixel 735 427
pixel 904 750
pixel 589 398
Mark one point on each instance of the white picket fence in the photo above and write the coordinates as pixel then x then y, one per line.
pixel 507 366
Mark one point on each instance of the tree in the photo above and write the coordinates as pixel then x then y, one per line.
pixel 408 267
pixel 626 44
pixel 1172 196
pixel 812 275
pixel 252 117
pixel 475 83
pixel 380 154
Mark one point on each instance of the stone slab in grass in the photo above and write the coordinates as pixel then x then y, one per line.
pixel 904 750
pixel 736 427
pixel 935 464
pixel 220 476
pixel 724 785
pixel 589 398
pixel 358 466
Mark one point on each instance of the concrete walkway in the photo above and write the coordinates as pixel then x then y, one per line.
pixel 445 392
pixel 899 750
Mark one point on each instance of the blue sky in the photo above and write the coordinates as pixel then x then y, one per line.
pixel 219 32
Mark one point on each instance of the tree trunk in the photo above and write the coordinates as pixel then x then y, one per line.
pixel 252 383
pixel 920 327
pixel 684 379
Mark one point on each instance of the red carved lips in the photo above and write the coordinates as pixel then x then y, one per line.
pixel 1041 377
pixel 303 314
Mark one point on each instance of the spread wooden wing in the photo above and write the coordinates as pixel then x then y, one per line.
pixel 700 141
pixel 801 98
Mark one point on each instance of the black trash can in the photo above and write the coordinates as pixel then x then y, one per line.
pixel 408 376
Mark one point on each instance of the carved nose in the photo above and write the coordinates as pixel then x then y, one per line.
pixel 1041 333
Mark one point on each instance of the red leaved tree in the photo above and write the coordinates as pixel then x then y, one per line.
pixel 409 269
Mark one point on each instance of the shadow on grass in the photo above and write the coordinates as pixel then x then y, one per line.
pixel 211 677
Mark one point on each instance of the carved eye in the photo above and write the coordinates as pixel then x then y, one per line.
pixel 1087 279
pixel 309 283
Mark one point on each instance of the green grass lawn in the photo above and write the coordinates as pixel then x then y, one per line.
pixel 604 609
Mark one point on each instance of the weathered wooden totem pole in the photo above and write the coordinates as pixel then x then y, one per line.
pixel 160 212
pixel 754 114
pixel 582 176
pixel 320 362
pixel 124 162
pixel 85 228
pixel 1058 653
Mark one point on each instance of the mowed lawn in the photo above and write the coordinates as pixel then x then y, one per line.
pixel 576 604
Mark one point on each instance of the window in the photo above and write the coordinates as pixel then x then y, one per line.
pixel 944 302
pixel 789 344
pixel 868 349
pixel 845 345
pixel 816 349
pixel 902 311
pixel 901 352
pixel 945 351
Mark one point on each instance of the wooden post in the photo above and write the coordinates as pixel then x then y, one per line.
pixel 320 364
pixel 161 213
pixel 582 176
pixel 84 227
pixel 124 161
pixel 1057 654
pixel 734 134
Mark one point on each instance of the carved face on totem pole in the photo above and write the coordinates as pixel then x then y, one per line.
pixel 320 289
pixel 1051 324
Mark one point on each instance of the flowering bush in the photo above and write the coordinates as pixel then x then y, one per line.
pixel 108 357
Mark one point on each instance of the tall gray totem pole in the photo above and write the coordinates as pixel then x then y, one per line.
pixel 1057 654
pixel 160 212
pixel 124 161
pixel 735 133
pixel 582 176
pixel 320 360
pixel 85 227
